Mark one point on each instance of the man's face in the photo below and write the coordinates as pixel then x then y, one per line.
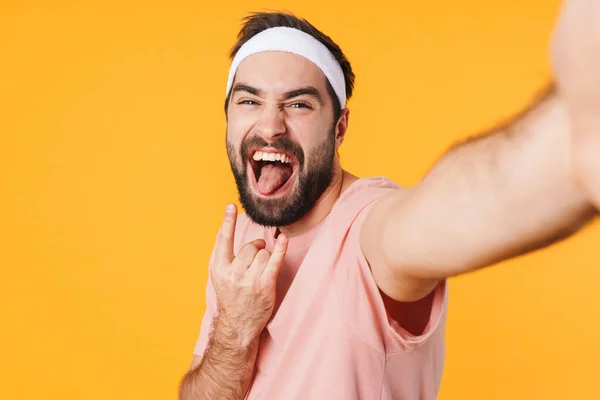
pixel 281 136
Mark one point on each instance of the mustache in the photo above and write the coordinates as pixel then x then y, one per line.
pixel 282 144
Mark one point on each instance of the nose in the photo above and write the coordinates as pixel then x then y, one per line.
pixel 271 123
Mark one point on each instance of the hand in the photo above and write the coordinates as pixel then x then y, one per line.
pixel 245 284
pixel 576 64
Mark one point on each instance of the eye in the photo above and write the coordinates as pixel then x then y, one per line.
pixel 247 102
pixel 300 104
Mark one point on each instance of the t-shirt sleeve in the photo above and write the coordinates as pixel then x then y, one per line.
pixel 364 305
pixel 209 314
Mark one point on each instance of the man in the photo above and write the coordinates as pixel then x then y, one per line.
pixel 333 287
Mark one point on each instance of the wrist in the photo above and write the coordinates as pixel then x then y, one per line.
pixel 231 335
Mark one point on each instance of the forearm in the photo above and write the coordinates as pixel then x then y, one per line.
pixel 495 197
pixel 588 169
pixel 586 150
pixel 226 369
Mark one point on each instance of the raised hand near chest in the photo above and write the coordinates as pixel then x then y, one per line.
pixel 245 283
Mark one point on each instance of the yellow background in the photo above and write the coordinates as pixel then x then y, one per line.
pixel 113 179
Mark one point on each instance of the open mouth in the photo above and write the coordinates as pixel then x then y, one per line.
pixel 272 171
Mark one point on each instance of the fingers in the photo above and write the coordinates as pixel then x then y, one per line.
pixel 259 263
pixel 226 234
pixel 271 271
pixel 247 254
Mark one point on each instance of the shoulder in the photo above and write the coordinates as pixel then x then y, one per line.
pixel 368 184
pixel 355 204
pixel 363 192
pixel 370 199
pixel 374 316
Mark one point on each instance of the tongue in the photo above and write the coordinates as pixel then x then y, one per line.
pixel 272 177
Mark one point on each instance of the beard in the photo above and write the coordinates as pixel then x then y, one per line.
pixel 314 174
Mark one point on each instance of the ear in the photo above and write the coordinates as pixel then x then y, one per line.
pixel 341 127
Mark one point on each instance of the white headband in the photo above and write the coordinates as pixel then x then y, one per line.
pixel 297 42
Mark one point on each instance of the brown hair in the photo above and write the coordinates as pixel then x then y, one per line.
pixel 260 21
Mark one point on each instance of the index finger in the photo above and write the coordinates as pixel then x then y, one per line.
pixel 226 234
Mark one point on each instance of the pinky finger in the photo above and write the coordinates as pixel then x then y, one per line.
pixel 271 271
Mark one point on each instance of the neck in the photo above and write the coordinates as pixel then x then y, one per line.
pixel 340 182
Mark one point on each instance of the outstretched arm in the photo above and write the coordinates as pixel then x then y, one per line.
pixel 514 190
pixel 586 152
pixel 497 196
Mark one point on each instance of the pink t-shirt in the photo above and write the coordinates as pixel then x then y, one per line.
pixel 330 336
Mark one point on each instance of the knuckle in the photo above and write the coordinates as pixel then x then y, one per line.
pixel 232 279
pixel 247 253
pixel 279 250
pixel 267 283
pixel 219 273
pixel 243 260
pixel 223 239
pixel 263 256
pixel 248 248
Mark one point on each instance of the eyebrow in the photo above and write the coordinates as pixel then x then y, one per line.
pixel 242 87
pixel 306 90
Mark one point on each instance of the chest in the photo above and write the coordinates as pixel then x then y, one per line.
pixel 291 265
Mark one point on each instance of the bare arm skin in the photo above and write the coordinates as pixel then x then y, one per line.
pixel 576 62
pixel 494 197
pixel 586 151
pixel 225 371
pixel 512 191
pixel 245 290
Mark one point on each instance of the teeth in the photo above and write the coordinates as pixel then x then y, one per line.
pixel 263 156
